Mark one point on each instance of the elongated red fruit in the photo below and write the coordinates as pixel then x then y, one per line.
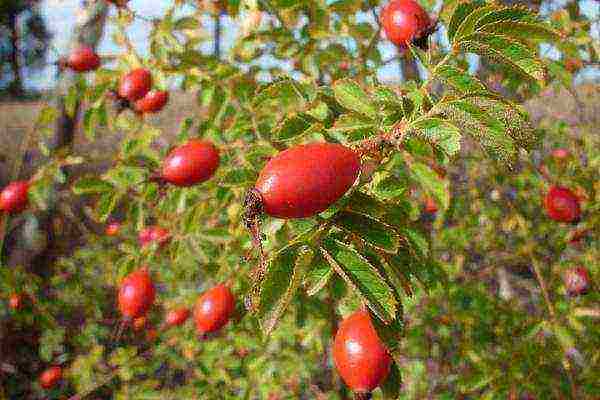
pixel 191 163
pixel 136 294
pixel 153 234
pixel 577 280
pixel 83 59
pixel 305 180
pixel 405 21
pixel 177 317
pixel 360 357
pixel 14 197
pixel 50 377
pixel 152 102
pixel 134 85
pixel 214 309
pixel 562 204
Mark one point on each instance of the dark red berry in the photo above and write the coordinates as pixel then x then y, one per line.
pixel 214 309
pixel 135 84
pixel 112 229
pixel 405 21
pixel 360 357
pixel 136 294
pixel 191 163
pixel 139 323
pixel 177 317
pixel 153 234
pixel 562 205
pixel 15 301
pixel 152 102
pixel 561 154
pixel 50 377
pixel 305 180
pixel 83 59
pixel 577 280
pixel 14 197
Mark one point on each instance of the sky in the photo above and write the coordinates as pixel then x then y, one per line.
pixel 61 15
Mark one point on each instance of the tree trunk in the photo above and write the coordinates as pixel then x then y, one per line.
pixel 16 86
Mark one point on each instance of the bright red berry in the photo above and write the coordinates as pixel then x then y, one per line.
pixel 305 180
pixel 15 301
pixel 135 84
pixel 153 234
pixel 50 377
pixel 152 102
pixel 14 197
pixel 136 294
pixel 405 21
pixel 360 357
pixel 561 154
pixel 214 309
pixel 430 206
pixel 577 280
pixel 177 317
pixel 83 59
pixel 191 163
pixel 112 229
pixel 562 204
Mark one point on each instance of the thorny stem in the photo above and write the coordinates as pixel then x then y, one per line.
pixel 253 206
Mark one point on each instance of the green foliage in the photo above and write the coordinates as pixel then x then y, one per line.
pixel 375 247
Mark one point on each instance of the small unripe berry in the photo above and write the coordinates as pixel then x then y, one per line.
pixel 134 85
pixel 136 294
pixel 405 21
pixel 305 180
pixel 577 280
pixel 177 317
pixel 153 234
pixel 214 309
pixel 14 197
pixel 50 377
pixel 83 59
pixel 562 205
pixel 152 102
pixel 191 163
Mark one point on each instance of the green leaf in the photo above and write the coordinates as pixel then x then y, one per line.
pixel 106 205
pixel 460 13
pixel 239 177
pixel 362 277
pixel 392 385
pixel 515 13
pixel 372 231
pixel 459 80
pixel 352 97
pixel 431 183
pixel 441 134
pixel 293 127
pixel 187 23
pixel 506 51
pixel 354 126
pixel 523 30
pixel 91 186
pixel 467 26
pixel 320 273
pixel 284 275
pixel 47 116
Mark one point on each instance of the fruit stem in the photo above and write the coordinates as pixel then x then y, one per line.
pixel 362 396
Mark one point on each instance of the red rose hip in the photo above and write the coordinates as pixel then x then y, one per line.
pixel 562 205
pixel 405 21
pixel 152 102
pixel 15 301
pixel 14 197
pixel 135 84
pixel 360 357
pixel 83 59
pixel 136 294
pixel 561 154
pixel 152 234
pixel 577 281
pixel 177 317
pixel 112 229
pixel 50 377
pixel 305 180
pixel 191 163
pixel 214 309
